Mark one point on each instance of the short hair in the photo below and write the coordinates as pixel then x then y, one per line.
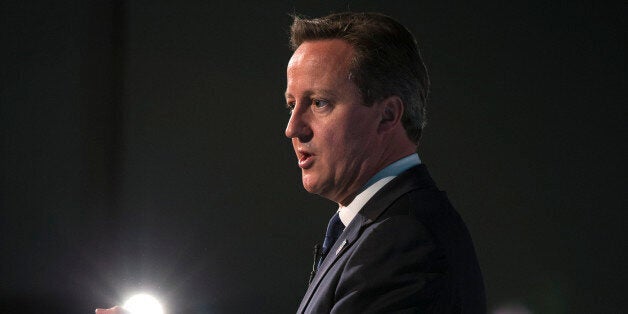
pixel 387 60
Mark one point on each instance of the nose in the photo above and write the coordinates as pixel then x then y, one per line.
pixel 298 127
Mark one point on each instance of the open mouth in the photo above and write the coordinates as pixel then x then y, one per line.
pixel 304 156
pixel 305 159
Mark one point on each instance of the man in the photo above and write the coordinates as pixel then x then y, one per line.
pixel 356 91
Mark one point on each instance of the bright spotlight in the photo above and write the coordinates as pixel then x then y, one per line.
pixel 143 304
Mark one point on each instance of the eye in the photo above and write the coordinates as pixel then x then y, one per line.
pixel 320 103
pixel 290 106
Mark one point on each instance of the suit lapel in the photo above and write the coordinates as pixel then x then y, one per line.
pixel 343 243
pixel 411 179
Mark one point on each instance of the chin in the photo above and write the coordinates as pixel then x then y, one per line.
pixel 310 184
pixel 309 188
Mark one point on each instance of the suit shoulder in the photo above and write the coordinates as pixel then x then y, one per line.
pixel 420 202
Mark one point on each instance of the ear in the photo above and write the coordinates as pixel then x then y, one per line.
pixel 391 110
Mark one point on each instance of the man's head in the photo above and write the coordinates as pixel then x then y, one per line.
pixel 348 121
pixel 386 60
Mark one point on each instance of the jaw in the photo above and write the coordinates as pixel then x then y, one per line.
pixel 339 190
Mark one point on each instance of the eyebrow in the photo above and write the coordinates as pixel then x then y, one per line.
pixel 315 92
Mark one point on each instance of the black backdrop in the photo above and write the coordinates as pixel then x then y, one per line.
pixel 143 149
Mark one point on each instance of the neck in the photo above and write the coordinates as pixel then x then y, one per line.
pixel 393 146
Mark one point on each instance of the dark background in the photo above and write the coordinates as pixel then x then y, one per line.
pixel 143 149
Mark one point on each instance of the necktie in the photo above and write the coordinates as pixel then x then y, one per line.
pixel 334 230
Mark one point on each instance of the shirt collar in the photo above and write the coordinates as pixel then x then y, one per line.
pixel 347 213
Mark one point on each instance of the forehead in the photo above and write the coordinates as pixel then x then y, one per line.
pixel 330 49
pixel 321 62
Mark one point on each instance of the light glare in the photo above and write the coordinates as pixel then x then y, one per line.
pixel 143 304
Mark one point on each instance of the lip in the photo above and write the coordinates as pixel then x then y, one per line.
pixel 305 159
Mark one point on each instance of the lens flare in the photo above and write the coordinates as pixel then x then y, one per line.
pixel 143 304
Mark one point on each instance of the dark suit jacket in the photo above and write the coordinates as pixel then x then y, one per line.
pixel 406 251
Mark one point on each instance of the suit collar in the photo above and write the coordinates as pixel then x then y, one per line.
pixel 373 185
pixel 412 179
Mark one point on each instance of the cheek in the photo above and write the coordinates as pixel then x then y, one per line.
pixel 345 142
pixel 337 144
